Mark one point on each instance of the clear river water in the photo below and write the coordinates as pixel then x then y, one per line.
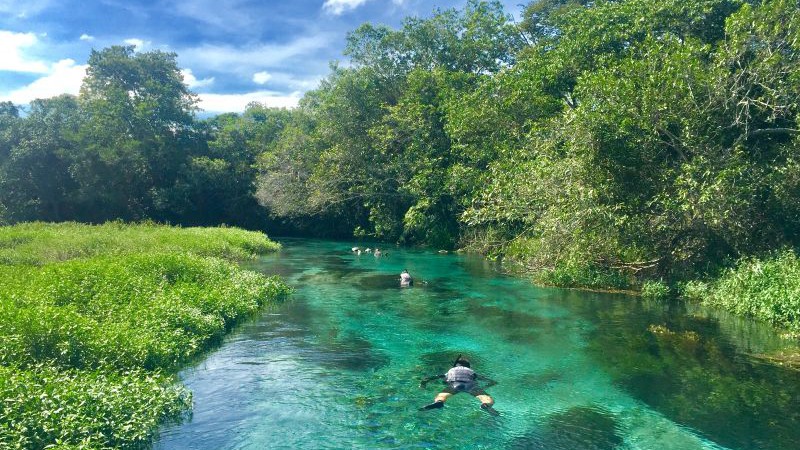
pixel 337 366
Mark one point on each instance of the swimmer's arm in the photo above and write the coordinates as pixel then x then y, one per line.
pixel 489 382
pixel 430 378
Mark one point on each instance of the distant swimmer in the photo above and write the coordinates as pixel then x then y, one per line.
pixel 355 249
pixel 461 378
pixel 405 279
pixel 377 252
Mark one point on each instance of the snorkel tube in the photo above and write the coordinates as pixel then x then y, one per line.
pixel 455 363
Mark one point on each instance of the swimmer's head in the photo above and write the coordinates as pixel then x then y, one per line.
pixel 462 362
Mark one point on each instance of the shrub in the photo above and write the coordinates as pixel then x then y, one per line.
pixel 44 406
pixel 655 290
pixel 767 289
pixel 588 276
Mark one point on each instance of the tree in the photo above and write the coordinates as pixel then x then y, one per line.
pixel 138 126
pixel 35 180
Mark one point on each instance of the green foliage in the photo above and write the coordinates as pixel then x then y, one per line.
pixel 584 276
pixel 44 407
pixel 655 290
pixel 765 288
pixel 136 311
pixel 695 290
pixel 649 167
pixel 95 318
pixel 370 150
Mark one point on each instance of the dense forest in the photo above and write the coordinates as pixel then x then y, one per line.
pixel 592 143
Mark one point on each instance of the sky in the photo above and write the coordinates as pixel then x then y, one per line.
pixel 231 52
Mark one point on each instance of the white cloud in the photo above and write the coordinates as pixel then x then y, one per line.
pixel 86 37
pixel 235 16
pixel 65 77
pixel 221 103
pixel 137 43
pixel 193 82
pixel 246 60
pixel 337 7
pixel 261 77
pixel 12 54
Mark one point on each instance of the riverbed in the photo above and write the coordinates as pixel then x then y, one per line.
pixel 338 365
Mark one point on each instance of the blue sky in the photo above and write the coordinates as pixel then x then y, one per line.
pixel 232 51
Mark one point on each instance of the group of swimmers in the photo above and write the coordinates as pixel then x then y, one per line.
pixel 357 250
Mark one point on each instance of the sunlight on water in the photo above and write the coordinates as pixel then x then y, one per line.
pixel 338 366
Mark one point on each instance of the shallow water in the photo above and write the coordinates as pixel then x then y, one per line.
pixel 338 365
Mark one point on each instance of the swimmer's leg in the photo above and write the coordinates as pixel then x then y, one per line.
pixel 487 402
pixel 439 402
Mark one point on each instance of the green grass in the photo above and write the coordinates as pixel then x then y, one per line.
pixel 39 243
pixel 766 289
pixel 94 320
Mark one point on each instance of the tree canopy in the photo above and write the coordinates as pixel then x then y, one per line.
pixel 594 143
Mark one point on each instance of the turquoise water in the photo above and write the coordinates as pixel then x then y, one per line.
pixel 338 365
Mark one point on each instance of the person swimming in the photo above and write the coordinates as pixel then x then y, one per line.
pixel 461 378
pixel 405 279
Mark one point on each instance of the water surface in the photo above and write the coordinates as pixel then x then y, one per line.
pixel 338 365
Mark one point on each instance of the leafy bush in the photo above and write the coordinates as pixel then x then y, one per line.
pixel 44 406
pixel 767 289
pixel 587 276
pixel 655 290
pixel 695 290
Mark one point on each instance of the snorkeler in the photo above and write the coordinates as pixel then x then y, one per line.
pixel 461 378
pixel 405 279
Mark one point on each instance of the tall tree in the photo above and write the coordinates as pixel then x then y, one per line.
pixel 138 126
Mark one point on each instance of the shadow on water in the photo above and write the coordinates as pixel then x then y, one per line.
pixel 352 353
pixel 513 326
pixel 683 367
pixel 583 427
pixel 378 282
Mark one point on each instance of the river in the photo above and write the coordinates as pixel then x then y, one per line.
pixel 338 365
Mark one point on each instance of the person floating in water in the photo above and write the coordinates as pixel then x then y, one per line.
pixel 461 378
pixel 405 279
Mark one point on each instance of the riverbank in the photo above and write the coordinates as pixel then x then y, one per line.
pixel 96 320
pixel 765 288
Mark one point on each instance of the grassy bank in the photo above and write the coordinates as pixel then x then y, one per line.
pixel 95 320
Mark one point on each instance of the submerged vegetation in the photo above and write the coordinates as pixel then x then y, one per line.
pixel 612 144
pixel 96 319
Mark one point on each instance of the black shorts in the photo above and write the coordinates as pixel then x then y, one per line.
pixel 456 387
